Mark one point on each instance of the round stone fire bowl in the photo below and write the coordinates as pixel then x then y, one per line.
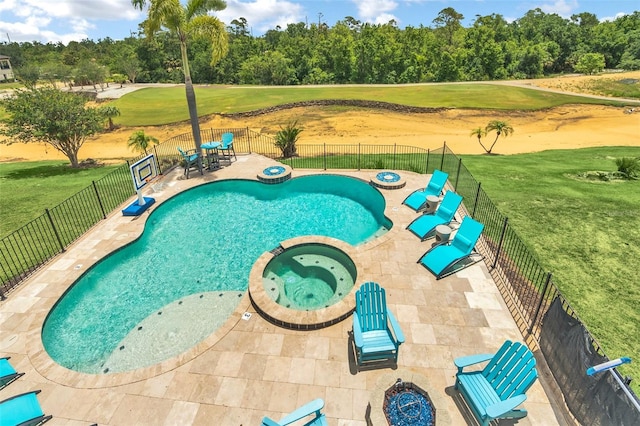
pixel 388 381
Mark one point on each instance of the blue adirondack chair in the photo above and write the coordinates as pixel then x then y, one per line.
pixel 311 408
pixel 424 226
pixel 192 159
pixel 417 200
pixel 7 373
pixel 496 391
pixel 446 259
pixel 22 409
pixel 376 333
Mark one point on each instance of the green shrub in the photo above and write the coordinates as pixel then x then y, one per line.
pixel 630 167
pixel 287 137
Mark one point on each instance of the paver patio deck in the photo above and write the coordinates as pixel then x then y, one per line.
pixel 251 368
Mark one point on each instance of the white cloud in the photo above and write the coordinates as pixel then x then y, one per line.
pixel 262 15
pixel 376 11
pixel 60 20
pixel 613 18
pixel 564 8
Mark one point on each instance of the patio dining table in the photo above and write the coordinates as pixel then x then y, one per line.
pixel 211 148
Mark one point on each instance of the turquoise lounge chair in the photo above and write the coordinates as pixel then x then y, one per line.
pixel 446 259
pixel 308 409
pixel 23 409
pixel 424 226
pixel 192 159
pixel 376 333
pixel 495 391
pixel 417 200
pixel 7 373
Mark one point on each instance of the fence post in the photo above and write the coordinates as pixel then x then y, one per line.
pixel 324 157
pixel 249 139
pixel 55 231
pixel 475 203
pixel 444 148
pixel 427 169
pixel 455 187
pixel 155 153
pixel 504 230
pixel 95 188
pixel 359 157
pixel 544 291
pixel 394 156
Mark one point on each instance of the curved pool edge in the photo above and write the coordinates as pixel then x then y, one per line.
pixel 53 371
pixel 298 319
pixel 133 227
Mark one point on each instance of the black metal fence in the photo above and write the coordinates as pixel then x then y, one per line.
pixel 529 289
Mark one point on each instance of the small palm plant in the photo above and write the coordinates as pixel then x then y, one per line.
pixel 287 137
pixel 109 112
pixel 501 128
pixel 629 167
pixel 139 141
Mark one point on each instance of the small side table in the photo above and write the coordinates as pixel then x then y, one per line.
pixel 443 232
pixel 431 204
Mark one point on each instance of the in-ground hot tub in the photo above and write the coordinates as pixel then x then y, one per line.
pixel 306 283
pixel 309 276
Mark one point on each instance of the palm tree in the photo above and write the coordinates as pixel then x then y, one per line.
pixel 501 128
pixel 190 21
pixel 109 112
pixel 479 132
pixel 139 141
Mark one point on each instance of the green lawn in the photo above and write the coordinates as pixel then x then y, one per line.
pixel 157 106
pixel 586 233
pixel 28 188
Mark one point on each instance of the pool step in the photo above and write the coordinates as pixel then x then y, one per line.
pixel 334 267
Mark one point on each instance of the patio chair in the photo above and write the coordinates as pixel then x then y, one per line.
pixel 227 147
pixel 7 373
pixel 23 409
pixel 306 410
pixel 192 159
pixel 417 200
pixel 495 391
pixel 446 259
pixel 376 333
pixel 424 226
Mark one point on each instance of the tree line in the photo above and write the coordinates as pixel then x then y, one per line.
pixel 351 51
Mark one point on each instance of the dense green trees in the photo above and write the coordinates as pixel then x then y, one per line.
pixel 60 119
pixel 535 45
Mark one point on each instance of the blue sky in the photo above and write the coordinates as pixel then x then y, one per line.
pixel 67 20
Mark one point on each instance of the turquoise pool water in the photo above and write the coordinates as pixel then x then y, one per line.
pixel 199 245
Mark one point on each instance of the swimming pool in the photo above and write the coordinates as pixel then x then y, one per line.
pixel 192 261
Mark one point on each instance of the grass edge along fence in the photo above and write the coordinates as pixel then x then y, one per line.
pixel 527 288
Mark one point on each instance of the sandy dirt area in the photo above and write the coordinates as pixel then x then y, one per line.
pixel 573 126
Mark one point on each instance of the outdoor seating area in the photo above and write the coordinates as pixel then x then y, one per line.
pixel 252 371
